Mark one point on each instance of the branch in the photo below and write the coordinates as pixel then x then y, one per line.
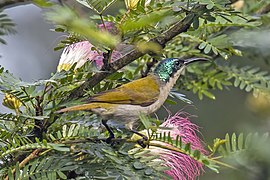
pixel 33 155
pixel 264 10
pixel 162 40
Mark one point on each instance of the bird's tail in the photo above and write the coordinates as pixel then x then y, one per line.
pixel 81 107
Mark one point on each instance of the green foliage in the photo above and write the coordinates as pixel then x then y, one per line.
pixel 43 3
pixel 203 79
pixel 144 21
pixel 249 78
pixel 45 168
pixel 98 6
pixel 234 144
pixel 73 38
pixel 72 145
pixel 70 20
pixel 6 26
pixel 242 149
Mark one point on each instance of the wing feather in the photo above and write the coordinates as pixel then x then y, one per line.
pixel 144 92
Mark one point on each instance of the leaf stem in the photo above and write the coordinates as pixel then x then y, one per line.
pixel 31 156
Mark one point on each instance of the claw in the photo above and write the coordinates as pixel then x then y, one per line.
pixel 109 140
pixel 142 140
pixel 141 143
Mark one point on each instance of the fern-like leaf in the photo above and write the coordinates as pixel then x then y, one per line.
pixel 99 6
pixel 235 144
pixel 50 168
pixel 24 143
pixel 6 26
pixel 249 78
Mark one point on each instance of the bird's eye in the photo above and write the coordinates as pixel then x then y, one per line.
pixel 177 63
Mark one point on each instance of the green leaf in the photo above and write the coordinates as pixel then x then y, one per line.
pixel 59 147
pixel 61 175
pixel 240 141
pixel 210 6
pixel 234 142
pixel 17 171
pixel 99 6
pixel 202 45
pixel 148 171
pixel 207 49
pixel 137 165
pixel 228 143
pixel 144 21
pixel 10 174
pixel 43 3
pixel 82 26
pixel 70 131
pixel 197 154
pixel 209 94
pixel 145 120
pixel 196 23
pixel 248 140
pixel 64 131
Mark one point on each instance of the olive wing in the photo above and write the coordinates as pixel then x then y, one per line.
pixel 143 92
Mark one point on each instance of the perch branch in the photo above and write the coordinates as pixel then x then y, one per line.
pixel 177 28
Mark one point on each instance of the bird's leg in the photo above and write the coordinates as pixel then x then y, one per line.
pixel 108 140
pixel 140 141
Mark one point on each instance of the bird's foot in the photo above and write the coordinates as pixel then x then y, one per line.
pixel 109 140
pixel 143 140
pixel 111 137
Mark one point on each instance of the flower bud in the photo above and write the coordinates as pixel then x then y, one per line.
pixel 11 102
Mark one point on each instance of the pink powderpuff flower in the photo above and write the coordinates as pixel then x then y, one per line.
pixel 182 166
pixel 81 52
pixel 110 27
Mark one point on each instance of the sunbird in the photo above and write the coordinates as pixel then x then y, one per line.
pixel 125 103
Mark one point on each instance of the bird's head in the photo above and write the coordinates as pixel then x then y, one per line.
pixel 167 68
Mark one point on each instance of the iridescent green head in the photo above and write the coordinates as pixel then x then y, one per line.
pixel 168 67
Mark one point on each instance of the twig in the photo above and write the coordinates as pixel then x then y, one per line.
pixel 149 65
pixel 39 126
pixel 106 59
pixel 95 140
pixel 31 156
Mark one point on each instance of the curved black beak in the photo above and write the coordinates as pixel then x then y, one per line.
pixel 196 59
